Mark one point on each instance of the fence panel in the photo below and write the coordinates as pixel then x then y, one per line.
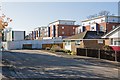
pixel 92 53
pixel 118 55
pixel 97 53
pixel 81 52
pixel 109 55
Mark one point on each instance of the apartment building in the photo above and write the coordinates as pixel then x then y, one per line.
pixel 40 32
pixel 101 23
pixel 13 35
pixel 62 28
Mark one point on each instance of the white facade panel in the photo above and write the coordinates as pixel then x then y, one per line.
pixel 8 36
pixel 37 44
pixel 67 22
pixel 93 27
pixel 14 35
pixel 79 30
pixel 18 35
pixel 115 35
pixel 89 22
pixel 54 23
pixel 113 19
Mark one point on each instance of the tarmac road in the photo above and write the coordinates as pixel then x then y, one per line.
pixel 39 64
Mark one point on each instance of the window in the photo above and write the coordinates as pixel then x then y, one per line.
pixel 92 28
pixel 113 27
pixel 113 20
pixel 73 32
pixel 77 42
pixel 62 32
pixel 111 41
pixel 62 27
pixel 100 41
pixel 116 42
pixel 67 42
pixel 73 27
pixel 101 28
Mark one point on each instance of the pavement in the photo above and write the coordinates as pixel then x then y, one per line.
pixel 36 64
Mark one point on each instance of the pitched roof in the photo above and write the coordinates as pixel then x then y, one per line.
pixel 87 35
pixel 78 36
pixel 111 32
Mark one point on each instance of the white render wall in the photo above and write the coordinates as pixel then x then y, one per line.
pixel 8 36
pixel 19 35
pixel 37 44
pixel 99 20
pixel 64 22
pixel 114 19
pixel 115 35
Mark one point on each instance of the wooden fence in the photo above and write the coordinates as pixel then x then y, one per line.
pixel 101 54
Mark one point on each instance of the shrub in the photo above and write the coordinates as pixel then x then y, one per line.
pixel 67 51
pixel 55 48
pixel 107 47
pixel 73 53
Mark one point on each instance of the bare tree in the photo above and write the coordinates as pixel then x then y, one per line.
pixel 104 13
pixel 101 13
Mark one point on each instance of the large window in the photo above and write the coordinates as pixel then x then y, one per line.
pixel 116 42
pixel 62 27
pixel 63 32
pixel 77 42
pixel 67 42
pixel 111 41
pixel 101 28
pixel 100 41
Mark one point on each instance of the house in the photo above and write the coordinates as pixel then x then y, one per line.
pixel 87 39
pixel 13 35
pixel 62 28
pixel 101 23
pixel 113 39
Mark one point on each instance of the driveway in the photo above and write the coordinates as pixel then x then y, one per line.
pixel 39 64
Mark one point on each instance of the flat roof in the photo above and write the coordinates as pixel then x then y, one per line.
pixel 98 18
pixel 62 20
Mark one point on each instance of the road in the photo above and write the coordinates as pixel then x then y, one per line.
pixel 40 64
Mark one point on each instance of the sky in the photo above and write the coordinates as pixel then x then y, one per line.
pixel 29 15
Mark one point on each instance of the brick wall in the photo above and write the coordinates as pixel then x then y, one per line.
pixel 107 26
pixel 93 44
pixel 68 30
